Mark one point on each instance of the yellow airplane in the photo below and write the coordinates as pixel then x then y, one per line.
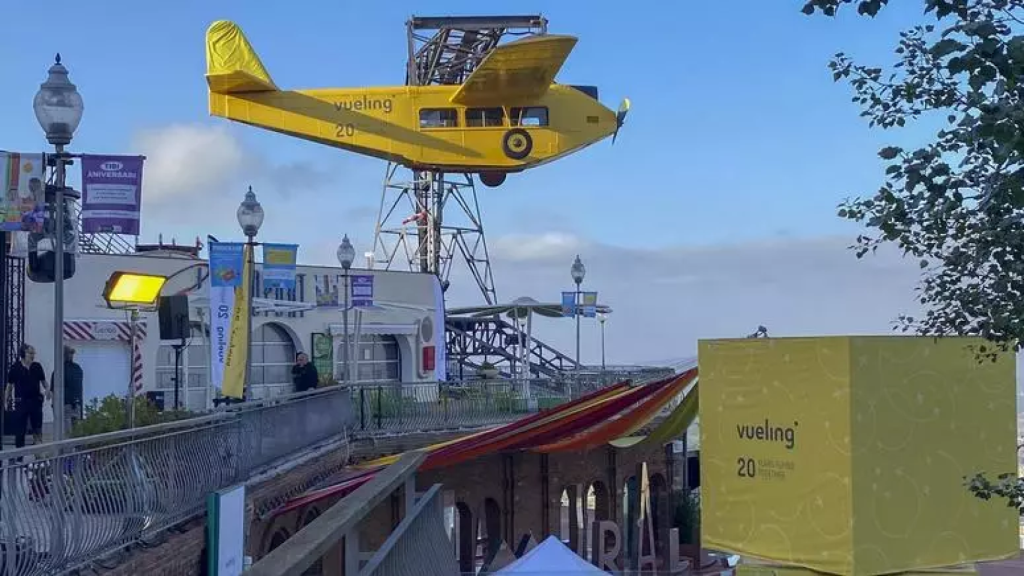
pixel 508 115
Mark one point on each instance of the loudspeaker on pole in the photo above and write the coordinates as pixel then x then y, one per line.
pixel 173 313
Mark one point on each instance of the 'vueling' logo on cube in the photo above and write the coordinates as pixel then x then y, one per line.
pixel 768 433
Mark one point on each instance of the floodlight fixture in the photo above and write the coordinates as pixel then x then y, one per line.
pixel 132 289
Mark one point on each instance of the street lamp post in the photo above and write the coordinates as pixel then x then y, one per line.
pixel 601 317
pixel 346 254
pixel 250 218
pixel 578 271
pixel 58 107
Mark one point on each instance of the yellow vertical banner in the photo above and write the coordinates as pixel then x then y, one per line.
pixel 238 349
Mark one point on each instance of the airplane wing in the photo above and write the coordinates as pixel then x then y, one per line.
pixel 232 65
pixel 519 71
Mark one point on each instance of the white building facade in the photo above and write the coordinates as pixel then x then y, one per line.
pixel 401 335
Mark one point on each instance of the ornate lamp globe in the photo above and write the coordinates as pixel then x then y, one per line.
pixel 346 253
pixel 578 271
pixel 250 214
pixel 58 106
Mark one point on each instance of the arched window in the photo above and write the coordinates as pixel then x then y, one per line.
pixel 273 354
pixel 280 536
pixel 194 361
pixel 378 359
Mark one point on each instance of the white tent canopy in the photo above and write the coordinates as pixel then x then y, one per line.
pixel 550 558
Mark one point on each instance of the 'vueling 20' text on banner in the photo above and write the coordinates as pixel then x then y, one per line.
pixel 226 263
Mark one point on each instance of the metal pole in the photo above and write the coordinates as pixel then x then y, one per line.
pixel 131 377
pixel 348 340
pixel 358 336
pixel 177 374
pixel 577 308
pixel 5 304
pixel 602 348
pixel 246 384
pixel 529 342
pixel 58 301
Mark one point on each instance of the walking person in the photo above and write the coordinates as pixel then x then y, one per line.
pixel 73 377
pixel 304 373
pixel 26 390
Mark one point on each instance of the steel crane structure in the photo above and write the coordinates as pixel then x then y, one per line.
pixel 428 219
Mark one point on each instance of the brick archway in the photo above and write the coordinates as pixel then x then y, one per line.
pixel 465 537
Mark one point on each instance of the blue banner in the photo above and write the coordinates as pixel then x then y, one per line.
pixel 589 304
pixel 226 264
pixel 361 287
pixel 568 303
pixel 279 265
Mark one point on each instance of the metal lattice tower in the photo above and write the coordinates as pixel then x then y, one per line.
pixel 429 218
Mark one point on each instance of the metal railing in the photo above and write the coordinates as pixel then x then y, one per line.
pixel 404 408
pixel 66 503
pixel 419 545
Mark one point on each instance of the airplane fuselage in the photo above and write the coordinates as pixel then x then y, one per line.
pixel 419 126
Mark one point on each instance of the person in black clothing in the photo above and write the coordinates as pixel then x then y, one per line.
pixel 304 374
pixel 73 377
pixel 26 387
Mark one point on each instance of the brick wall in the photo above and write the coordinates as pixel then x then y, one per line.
pixel 528 502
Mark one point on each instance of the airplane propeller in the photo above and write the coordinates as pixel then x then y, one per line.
pixel 620 117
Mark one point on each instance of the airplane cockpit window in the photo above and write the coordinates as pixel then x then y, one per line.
pixel 439 118
pixel 532 116
pixel 481 117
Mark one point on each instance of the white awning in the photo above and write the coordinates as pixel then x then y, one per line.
pixel 552 558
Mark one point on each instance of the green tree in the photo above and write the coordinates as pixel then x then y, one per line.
pixel 956 204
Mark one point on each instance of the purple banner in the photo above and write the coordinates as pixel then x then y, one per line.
pixel 111 194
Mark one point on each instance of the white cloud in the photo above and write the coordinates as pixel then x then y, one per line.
pixel 195 176
pixel 547 246
pixel 666 299
pixel 185 162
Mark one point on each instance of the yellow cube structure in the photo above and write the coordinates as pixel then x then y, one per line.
pixel 847 455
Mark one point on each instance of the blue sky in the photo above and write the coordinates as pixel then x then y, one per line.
pixel 737 131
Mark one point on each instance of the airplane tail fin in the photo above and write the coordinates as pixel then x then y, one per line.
pixel 232 66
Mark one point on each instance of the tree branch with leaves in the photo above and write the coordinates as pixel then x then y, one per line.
pixel 956 204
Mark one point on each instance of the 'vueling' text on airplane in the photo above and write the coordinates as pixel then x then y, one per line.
pixel 507 116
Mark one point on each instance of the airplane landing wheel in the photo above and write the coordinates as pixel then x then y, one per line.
pixel 517 144
pixel 492 179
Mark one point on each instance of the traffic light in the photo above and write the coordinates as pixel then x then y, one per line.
pixel 41 256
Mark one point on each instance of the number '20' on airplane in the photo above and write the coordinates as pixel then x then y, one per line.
pixel 509 114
